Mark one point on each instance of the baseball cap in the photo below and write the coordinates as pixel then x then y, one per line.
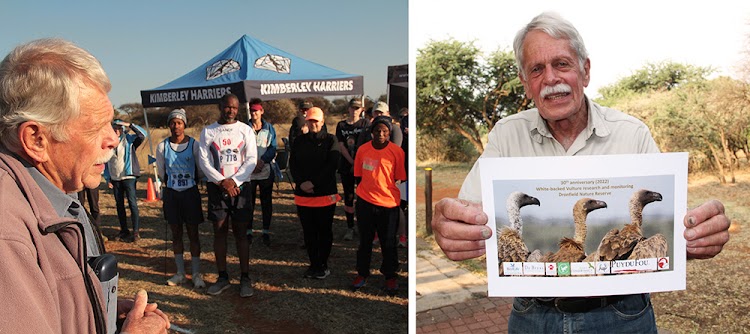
pixel 355 103
pixel 179 114
pixel 315 113
pixel 305 105
pixel 382 107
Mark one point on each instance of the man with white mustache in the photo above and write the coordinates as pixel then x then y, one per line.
pixel 554 69
pixel 55 137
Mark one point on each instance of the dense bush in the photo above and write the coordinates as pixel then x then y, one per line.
pixel 443 147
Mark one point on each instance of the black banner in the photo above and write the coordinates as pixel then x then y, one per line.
pixel 191 95
pixel 286 89
pixel 398 75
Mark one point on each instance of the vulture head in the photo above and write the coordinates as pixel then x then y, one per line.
pixel 587 205
pixel 644 197
pixel 580 210
pixel 639 199
pixel 515 202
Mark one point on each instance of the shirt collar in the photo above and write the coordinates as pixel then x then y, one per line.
pixel 65 205
pixel 596 124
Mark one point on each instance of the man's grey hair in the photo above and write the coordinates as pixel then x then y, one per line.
pixel 41 81
pixel 557 27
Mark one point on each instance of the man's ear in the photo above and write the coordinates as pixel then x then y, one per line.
pixel 34 141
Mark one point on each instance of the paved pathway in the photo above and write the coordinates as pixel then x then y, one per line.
pixel 453 300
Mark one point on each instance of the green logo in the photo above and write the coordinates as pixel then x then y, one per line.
pixel 563 269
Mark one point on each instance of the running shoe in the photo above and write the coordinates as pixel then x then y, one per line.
pixel 359 282
pixel 176 280
pixel 198 282
pixel 219 287
pixel 309 273
pixel 402 241
pixel 322 274
pixel 246 287
pixel 391 286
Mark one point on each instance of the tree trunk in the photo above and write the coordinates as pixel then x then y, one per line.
pixel 717 161
pixel 477 142
pixel 727 154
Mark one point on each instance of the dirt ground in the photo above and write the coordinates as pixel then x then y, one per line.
pixel 715 299
pixel 284 302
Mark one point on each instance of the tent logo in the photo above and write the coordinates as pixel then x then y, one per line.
pixel 221 67
pixel 274 63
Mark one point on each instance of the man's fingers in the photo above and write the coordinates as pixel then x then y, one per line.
pixel 450 245
pixel 712 239
pixel 715 225
pixel 458 256
pixel 139 306
pixel 703 252
pixel 460 231
pixel 461 210
pixel 154 308
pixel 702 213
pixel 163 316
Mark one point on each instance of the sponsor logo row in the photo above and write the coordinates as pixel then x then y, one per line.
pixel 585 268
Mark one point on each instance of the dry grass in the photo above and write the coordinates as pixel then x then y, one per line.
pixel 283 301
pixel 715 300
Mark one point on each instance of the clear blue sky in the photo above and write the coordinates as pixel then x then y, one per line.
pixel 145 44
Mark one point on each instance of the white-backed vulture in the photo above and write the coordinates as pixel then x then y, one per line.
pixel 510 245
pixel 572 250
pixel 619 244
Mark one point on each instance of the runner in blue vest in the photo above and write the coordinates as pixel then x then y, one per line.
pixel 176 163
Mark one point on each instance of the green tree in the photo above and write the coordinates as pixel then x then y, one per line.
pixel 710 120
pixel 662 76
pixel 461 90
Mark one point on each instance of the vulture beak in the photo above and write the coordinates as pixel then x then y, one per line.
pixel 594 205
pixel 529 200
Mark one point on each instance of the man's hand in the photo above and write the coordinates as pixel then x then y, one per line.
pixel 707 230
pixel 109 184
pixel 459 228
pixel 307 187
pixel 230 187
pixel 142 317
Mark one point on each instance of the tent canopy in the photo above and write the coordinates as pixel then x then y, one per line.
pixel 250 68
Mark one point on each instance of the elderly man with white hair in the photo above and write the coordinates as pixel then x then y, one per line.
pixel 55 137
pixel 554 69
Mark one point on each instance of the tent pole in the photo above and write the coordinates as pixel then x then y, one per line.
pixel 151 149
pixel 247 107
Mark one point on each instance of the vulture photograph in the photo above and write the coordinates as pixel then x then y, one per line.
pixel 637 223
pixel 629 242
pixel 510 244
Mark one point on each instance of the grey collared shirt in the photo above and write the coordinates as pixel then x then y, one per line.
pixel 67 206
pixel 526 134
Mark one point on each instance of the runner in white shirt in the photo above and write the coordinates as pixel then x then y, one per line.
pixel 228 154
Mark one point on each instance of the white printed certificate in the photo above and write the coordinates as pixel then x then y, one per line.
pixel 585 225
